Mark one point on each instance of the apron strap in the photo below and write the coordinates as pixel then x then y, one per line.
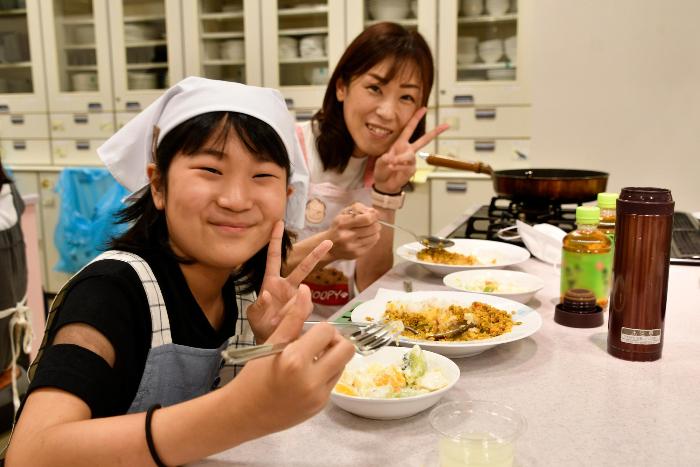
pixel 160 324
pixel 20 331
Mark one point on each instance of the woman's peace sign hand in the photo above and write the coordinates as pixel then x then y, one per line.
pixel 396 167
pixel 265 314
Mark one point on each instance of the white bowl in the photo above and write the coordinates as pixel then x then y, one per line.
pixel 83 34
pixel 501 74
pixel 232 49
pixel 134 32
pixel 86 81
pixel 391 409
pixel 490 55
pixel 384 10
pixel 472 7
pixel 514 285
pixel 312 46
pixel 467 58
pixel 288 47
pixel 491 255
pixel 497 7
pixel 142 80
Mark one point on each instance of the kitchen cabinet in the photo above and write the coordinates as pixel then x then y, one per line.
pixel 27 184
pixel 451 194
pixel 414 215
pixel 226 38
pixel 484 57
pixel 302 40
pixel 50 209
pixel 22 88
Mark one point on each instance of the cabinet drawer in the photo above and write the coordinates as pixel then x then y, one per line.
pixel 124 117
pixel 449 198
pixel 76 152
pixel 486 122
pixel 25 151
pixel 82 125
pixel 24 126
pixel 498 153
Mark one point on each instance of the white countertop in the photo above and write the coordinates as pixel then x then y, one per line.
pixel 583 407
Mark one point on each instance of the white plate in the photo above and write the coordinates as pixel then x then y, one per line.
pixel 486 251
pixel 531 320
pixel 524 285
pixel 390 409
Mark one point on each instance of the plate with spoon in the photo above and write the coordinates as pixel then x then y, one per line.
pixel 460 332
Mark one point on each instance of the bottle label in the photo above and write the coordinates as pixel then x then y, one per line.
pixel 592 271
pixel 640 336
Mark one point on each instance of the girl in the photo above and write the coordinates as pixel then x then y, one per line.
pixel 144 324
pixel 360 149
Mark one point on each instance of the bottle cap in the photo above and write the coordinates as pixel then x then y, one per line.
pixel 579 310
pixel 645 201
pixel 587 215
pixel 607 200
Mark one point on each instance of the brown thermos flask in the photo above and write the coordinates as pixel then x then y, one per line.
pixel 640 282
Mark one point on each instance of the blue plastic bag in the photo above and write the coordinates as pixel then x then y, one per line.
pixel 90 198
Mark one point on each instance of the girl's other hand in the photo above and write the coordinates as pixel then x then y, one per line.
pixel 287 388
pixel 268 310
pixel 395 168
pixel 354 231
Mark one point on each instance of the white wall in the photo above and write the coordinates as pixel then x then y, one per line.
pixel 616 87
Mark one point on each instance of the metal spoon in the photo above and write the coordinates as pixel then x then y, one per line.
pixel 431 241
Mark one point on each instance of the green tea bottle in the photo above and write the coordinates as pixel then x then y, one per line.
pixel 606 203
pixel 586 262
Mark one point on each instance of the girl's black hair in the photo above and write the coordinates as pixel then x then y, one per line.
pixel 149 230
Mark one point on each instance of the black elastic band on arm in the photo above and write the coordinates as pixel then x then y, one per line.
pixel 149 436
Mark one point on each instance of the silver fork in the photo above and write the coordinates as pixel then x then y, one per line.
pixel 367 340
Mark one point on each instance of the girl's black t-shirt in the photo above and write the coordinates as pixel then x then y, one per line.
pixel 109 296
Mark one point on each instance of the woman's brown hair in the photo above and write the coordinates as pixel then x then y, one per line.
pixel 377 43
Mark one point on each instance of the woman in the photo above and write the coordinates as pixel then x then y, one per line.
pixel 144 324
pixel 14 322
pixel 360 149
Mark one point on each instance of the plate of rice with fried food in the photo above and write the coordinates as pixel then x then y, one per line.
pixel 453 324
pixel 464 254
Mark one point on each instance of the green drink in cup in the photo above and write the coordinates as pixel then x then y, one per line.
pixel 476 433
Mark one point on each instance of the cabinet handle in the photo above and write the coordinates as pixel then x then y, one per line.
pixel 304 117
pixel 80 119
pixel 17 119
pixel 45 183
pixel 133 106
pixel 4 108
pixel 485 145
pixel 485 114
pixel 464 99
pixel 94 107
pixel 19 145
pixel 456 187
pixel 289 102
pixel 82 145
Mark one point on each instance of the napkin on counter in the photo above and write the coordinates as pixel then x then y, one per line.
pixel 543 240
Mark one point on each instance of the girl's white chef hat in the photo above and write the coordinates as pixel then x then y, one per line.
pixel 127 153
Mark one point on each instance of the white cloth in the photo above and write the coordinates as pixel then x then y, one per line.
pixel 128 152
pixel 8 213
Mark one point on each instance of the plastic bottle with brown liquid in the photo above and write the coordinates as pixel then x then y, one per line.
pixel 606 203
pixel 586 262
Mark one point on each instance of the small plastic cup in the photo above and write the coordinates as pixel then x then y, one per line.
pixel 476 433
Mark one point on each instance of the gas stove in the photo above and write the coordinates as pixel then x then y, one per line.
pixel 502 212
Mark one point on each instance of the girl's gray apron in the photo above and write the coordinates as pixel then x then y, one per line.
pixel 173 373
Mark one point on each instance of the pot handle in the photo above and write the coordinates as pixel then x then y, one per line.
pixel 451 163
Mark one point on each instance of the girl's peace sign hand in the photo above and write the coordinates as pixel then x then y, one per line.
pixel 396 167
pixel 266 313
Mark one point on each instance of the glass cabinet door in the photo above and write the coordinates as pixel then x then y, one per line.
pixel 21 70
pixel 303 40
pixel 77 55
pixel 482 45
pixel 227 33
pixel 147 50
